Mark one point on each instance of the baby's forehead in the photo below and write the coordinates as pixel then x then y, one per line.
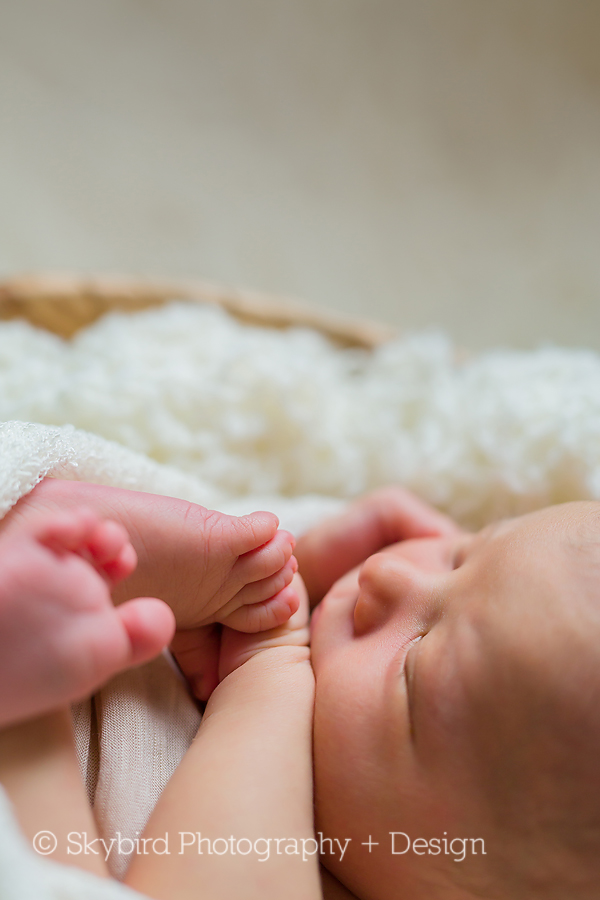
pixel 563 525
pixel 552 552
pixel 548 560
pixel 530 597
pixel 582 522
pixel 571 532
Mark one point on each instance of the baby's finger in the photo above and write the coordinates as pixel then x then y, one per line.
pixel 196 651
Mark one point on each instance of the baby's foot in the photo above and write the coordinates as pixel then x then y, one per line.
pixel 60 635
pixel 380 518
pixel 209 567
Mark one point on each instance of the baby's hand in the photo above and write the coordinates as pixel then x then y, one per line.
pixel 246 568
pixel 197 649
pixel 236 648
pixel 207 655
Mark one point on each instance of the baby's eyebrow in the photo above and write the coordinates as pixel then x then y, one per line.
pixel 469 542
pixel 486 534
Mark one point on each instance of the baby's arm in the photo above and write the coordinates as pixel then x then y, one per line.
pixel 247 779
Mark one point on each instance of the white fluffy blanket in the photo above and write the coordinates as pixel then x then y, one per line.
pixel 257 411
pixel 187 402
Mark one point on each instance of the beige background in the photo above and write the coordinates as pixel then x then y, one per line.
pixel 424 162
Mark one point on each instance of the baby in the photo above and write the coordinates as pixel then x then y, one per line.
pixel 62 638
pixel 456 724
pixel 457 716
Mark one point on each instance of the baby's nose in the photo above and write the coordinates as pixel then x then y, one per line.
pixel 388 586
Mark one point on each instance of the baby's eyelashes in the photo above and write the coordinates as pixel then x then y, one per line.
pixel 408 670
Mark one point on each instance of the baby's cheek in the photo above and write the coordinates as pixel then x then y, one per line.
pixel 345 588
pixel 450 694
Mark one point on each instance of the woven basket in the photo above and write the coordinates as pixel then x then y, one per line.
pixel 64 304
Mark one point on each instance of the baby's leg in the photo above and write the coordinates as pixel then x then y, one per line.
pixel 209 567
pixel 60 635
pixel 372 522
pixel 40 773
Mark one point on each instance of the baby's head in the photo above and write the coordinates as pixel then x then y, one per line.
pixel 458 702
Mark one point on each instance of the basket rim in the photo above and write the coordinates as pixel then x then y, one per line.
pixel 65 302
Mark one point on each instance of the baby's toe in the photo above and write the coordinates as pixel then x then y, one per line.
pixel 267 614
pixel 265 560
pixel 102 542
pixel 67 531
pixel 251 531
pixel 258 591
pixel 111 551
pixel 117 639
pixel 150 626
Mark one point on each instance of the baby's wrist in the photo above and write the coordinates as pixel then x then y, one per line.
pixel 274 667
pixel 275 685
pixel 271 660
pixel 238 650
